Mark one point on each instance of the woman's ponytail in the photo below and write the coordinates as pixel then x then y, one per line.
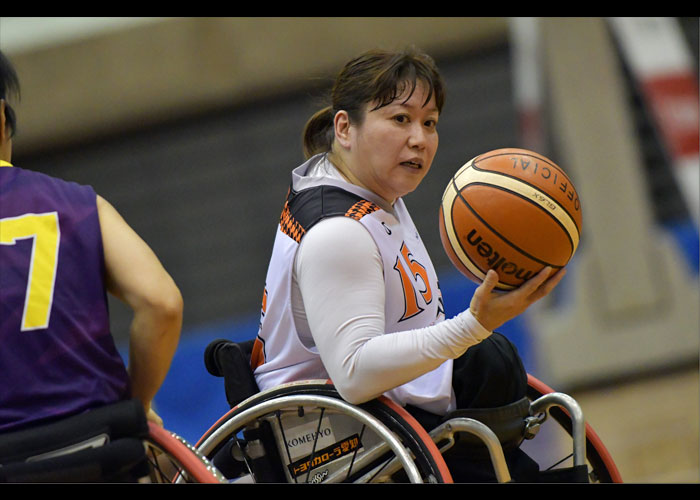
pixel 318 133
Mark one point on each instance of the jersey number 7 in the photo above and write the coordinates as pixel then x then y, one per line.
pixel 45 232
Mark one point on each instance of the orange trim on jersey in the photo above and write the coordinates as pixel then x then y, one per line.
pixel 264 301
pixel 360 209
pixel 257 356
pixel 289 225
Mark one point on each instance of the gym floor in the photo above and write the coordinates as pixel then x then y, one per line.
pixel 649 426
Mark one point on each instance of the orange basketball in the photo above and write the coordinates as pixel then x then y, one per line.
pixel 510 210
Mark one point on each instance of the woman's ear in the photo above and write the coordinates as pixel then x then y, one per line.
pixel 2 121
pixel 341 125
pixel 5 135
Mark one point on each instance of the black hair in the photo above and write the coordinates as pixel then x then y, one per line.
pixel 376 76
pixel 9 86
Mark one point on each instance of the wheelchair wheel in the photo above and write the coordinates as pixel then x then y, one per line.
pixel 403 423
pixel 305 433
pixel 173 460
pixel 601 467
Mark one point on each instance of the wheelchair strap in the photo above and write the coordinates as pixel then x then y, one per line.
pixel 507 422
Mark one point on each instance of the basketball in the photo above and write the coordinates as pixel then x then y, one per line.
pixel 510 210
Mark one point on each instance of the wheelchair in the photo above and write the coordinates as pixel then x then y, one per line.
pixel 304 432
pixel 110 444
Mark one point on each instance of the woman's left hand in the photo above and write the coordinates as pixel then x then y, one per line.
pixel 492 309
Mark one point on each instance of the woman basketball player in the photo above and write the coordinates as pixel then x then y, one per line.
pixel 351 293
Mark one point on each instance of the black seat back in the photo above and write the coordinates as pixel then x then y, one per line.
pixel 231 360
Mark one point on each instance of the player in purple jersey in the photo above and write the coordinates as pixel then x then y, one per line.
pixel 62 248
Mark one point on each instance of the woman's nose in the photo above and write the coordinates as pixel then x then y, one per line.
pixel 417 137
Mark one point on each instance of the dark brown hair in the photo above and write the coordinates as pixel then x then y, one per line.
pixel 376 76
pixel 9 85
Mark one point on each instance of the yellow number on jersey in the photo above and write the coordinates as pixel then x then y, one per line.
pixel 44 230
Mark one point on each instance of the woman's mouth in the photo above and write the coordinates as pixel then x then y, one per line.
pixel 412 164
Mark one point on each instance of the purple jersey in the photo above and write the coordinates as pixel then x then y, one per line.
pixel 57 355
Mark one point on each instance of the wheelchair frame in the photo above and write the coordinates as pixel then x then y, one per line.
pixel 389 421
pixel 391 424
pixel 603 466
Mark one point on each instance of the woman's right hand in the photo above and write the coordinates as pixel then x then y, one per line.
pixel 152 416
pixel 493 309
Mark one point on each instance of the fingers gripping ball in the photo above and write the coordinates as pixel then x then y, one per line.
pixel 510 210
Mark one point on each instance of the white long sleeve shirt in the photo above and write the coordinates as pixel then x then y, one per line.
pixel 338 304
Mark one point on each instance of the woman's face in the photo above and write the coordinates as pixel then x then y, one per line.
pixel 391 151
